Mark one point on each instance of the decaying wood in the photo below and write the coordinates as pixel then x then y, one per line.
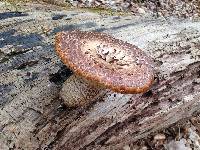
pixel 32 115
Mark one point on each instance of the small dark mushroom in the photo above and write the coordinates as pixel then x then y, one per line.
pixel 105 61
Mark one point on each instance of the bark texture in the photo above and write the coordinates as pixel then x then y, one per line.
pixel 32 116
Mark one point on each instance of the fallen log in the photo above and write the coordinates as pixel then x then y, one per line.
pixel 33 115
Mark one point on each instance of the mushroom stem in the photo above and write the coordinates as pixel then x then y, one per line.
pixel 78 92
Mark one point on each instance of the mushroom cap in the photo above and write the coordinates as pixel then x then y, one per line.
pixel 100 58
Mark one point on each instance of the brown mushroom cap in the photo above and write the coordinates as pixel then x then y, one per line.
pixel 98 57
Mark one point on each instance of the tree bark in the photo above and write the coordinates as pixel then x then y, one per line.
pixel 33 116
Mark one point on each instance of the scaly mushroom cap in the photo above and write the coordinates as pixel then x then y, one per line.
pixel 111 62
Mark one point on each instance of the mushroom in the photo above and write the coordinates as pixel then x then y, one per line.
pixel 99 62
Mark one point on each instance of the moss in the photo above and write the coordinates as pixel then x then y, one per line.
pixel 103 11
pixel 66 4
pixel 17 1
pixel 15 4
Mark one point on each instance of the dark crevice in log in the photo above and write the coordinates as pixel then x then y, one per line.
pixel 61 76
pixel 27 64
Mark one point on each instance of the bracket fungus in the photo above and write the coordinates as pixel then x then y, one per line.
pixel 100 61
